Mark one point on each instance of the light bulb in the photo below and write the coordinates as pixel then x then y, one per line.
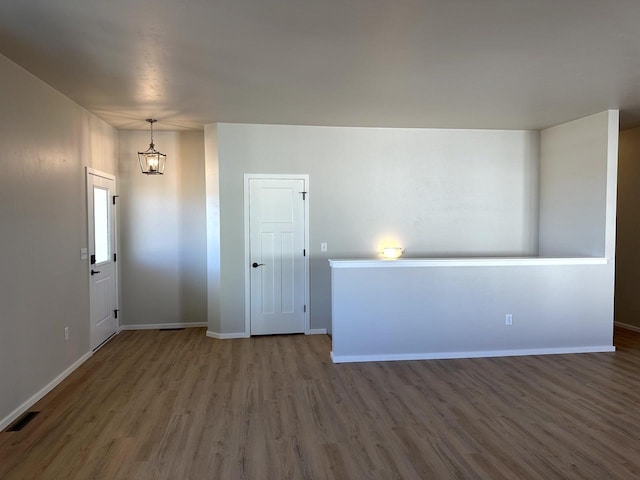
pixel 391 253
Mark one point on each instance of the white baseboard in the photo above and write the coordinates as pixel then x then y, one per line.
pixel 162 326
pixel 317 331
pixel 6 421
pixel 226 336
pixel 482 354
pixel 626 326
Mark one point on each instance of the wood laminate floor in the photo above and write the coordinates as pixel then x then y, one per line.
pixel 179 405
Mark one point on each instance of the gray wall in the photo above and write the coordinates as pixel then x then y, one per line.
pixel 193 227
pixel 435 192
pixel 627 300
pixel 47 140
pixel 212 178
pixel 162 230
pixel 574 198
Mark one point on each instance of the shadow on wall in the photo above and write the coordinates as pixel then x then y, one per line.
pixel 320 284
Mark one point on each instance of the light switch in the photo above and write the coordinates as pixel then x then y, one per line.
pixel 83 254
pixel 323 247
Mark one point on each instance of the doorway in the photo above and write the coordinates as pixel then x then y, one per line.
pixel 276 246
pixel 103 291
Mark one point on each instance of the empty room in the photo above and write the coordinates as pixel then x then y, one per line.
pixel 283 239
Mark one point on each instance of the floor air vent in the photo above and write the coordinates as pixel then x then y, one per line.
pixel 21 422
pixel 171 329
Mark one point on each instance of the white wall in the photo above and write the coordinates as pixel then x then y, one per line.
pixel 627 300
pixel 459 311
pixel 47 140
pixel 434 192
pixel 577 208
pixel 162 227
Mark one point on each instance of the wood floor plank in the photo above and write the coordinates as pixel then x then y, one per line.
pixel 178 405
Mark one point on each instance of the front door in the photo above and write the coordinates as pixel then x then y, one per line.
pixel 102 271
pixel 277 255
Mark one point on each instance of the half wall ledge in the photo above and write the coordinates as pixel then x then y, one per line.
pixel 467 262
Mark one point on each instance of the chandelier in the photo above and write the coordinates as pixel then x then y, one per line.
pixel 152 162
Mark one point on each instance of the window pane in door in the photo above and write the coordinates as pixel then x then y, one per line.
pixel 101 223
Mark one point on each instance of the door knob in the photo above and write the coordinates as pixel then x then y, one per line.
pixel 256 264
pixel 93 272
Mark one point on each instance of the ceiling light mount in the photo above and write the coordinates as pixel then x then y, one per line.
pixel 152 162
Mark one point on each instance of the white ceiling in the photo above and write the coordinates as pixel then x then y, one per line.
pixel 396 63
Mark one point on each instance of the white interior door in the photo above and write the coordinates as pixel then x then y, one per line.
pixel 102 250
pixel 277 255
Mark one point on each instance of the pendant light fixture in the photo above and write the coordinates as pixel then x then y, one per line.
pixel 151 160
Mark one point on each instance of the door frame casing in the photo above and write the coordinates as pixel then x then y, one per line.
pixel 247 245
pixel 114 234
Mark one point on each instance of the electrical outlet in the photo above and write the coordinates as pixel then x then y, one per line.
pixel 66 333
pixel 508 319
pixel 323 247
